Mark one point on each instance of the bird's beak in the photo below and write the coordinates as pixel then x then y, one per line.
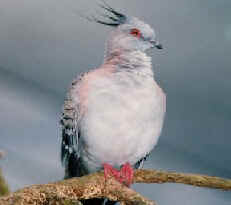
pixel 156 44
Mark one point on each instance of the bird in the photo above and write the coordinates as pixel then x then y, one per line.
pixel 113 114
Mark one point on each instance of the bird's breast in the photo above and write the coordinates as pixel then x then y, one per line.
pixel 123 119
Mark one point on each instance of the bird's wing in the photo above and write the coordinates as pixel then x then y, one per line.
pixel 70 156
pixel 140 163
pixel 69 131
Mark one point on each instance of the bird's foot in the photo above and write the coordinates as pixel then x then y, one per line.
pixel 111 171
pixel 125 175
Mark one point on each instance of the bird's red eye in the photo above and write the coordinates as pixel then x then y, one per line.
pixel 135 32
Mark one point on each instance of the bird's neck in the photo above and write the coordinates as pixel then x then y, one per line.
pixel 134 61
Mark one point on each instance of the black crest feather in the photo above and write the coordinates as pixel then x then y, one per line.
pixel 113 17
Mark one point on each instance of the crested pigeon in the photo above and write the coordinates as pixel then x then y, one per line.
pixel 113 115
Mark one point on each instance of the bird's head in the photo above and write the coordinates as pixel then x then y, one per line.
pixel 130 33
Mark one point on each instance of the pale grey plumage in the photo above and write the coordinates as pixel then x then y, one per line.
pixel 114 114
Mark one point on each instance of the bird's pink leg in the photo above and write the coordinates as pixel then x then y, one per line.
pixel 111 171
pixel 126 174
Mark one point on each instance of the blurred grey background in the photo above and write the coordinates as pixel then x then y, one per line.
pixel 45 44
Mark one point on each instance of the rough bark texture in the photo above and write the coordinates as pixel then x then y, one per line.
pixel 68 192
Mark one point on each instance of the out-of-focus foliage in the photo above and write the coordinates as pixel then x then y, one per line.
pixel 4 189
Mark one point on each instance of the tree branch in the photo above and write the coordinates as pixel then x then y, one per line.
pixel 87 187
pixel 155 176
pixel 94 186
